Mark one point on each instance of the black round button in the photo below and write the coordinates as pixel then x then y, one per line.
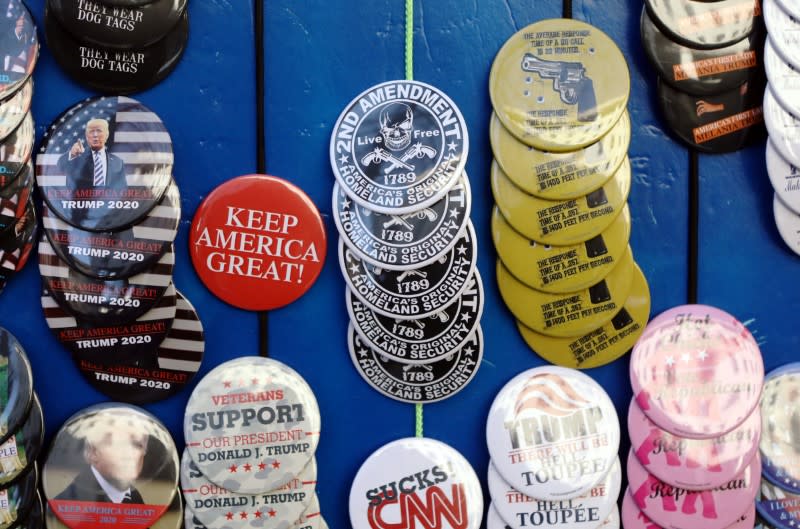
pixel 109 26
pixel 15 152
pixel 14 199
pixel 19 499
pixel 705 24
pixel 19 47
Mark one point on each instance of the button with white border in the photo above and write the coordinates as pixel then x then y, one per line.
pixel 777 507
pixel 781 462
pixel 783 29
pixel 783 78
pixel 634 518
pixel 783 128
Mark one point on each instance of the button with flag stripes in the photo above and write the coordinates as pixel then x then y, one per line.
pixel 19 47
pixel 16 243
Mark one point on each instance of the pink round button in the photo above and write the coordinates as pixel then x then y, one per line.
pixel 694 464
pixel 697 375
pixel 634 518
pixel 677 508
pixel 696 312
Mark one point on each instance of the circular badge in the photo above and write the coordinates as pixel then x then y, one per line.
pixel 218 508
pixel 103 301
pixel 251 425
pixel 787 222
pixel 571 314
pixel 413 293
pixel 778 507
pixel 783 128
pixel 14 199
pixel 694 464
pixel 118 27
pixel 111 464
pixel 701 71
pixel 16 243
pixel 408 477
pixel 257 242
pixel 105 163
pixel 634 518
pixel 16 385
pixel 112 70
pixel 559 269
pixel 118 254
pixel 401 242
pixel 783 78
pixel 398 147
pixel 12 112
pixel 702 24
pixel 15 155
pixel 152 377
pixel 699 376
pixel 780 420
pixel 783 29
pixel 20 451
pixel 125 342
pixel 785 178
pixel 17 500
pixel 603 345
pixel 587 511
pixel 560 176
pixel 561 223
pixel 674 507
pixel 559 84
pixel 417 383
pixel 19 47
pixel 420 341
pixel 553 433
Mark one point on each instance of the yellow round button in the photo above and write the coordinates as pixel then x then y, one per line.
pixel 604 344
pixel 566 222
pixel 560 176
pixel 559 84
pixel 559 269
pixel 570 314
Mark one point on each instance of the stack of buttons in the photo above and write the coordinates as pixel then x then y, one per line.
pixel 407 248
pixel 561 177
pixel 694 423
pixel 117 46
pixel 112 465
pixel 20 50
pixel 782 115
pixel 21 438
pixel 111 213
pixel 709 64
pixel 252 427
pixel 780 455
pixel 553 436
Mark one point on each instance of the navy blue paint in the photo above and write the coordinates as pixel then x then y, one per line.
pixel 319 55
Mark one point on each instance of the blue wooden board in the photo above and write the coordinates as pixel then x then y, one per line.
pixel 319 55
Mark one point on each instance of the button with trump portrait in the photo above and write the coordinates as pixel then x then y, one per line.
pixel 542 414
pixel 105 163
pixel 111 465
pixel 19 47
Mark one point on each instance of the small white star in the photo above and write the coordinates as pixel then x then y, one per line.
pixel 343 159
pixel 468 350
pixel 702 355
pixel 465 317
pixel 685 358
pixel 670 361
pixel 454 213
pixel 461 249
pixel 452 145
pixel 355 268
pixel 362 352
pixel 346 203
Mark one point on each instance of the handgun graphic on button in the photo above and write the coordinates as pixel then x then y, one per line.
pixel 569 80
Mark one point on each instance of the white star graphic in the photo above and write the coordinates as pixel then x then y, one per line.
pixel 343 159
pixel 670 361
pixel 454 213
pixel 685 358
pixel 702 355
pixel 468 350
pixel 452 145
pixel 465 316
pixel 461 249
pixel 362 352
pixel 346 204
pixel 354 268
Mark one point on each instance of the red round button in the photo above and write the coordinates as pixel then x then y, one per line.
pixel 258 242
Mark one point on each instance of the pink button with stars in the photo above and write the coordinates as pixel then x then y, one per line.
pixel 698 375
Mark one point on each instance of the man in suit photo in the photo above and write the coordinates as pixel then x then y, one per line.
pixel 94 167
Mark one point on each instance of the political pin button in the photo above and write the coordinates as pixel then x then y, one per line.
pixel 559 269
pixel 151 377
pixel 693 464
pixel 14 200
pixel 777 507
pixel 19 47
pixel 16 243
pixel 134 163
pixel 16 385
pixel 118 254
pixel 389 483
pixel 543 412
pixel 121 27
pixel 398 147
pixel 257 242
pixel 125 342
pixel 784 177
pixel 13 110
pixel 698 375
pixel 701 71
pixel 403 242
pixel 561 223
pixel 787 222
pixel 603 345
pixel 15 153
pixel 714 123
pixel 17 500
pixel 112 301
pixel 783 78
pixel 559 84
pixel 670 506
pixel 116 71
pixel 218 508
pixel 560 176
pixel 412 383
pixel 783 28
pixel 699 24
pixel 413 293
pixel 251 425
pixel 35 517
pixel 574 313
pixel 783 128
pixel 634 518
pixel 421 341
pixel 125 447
pixel 781 462
pixel 19 452
pixel 587 511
